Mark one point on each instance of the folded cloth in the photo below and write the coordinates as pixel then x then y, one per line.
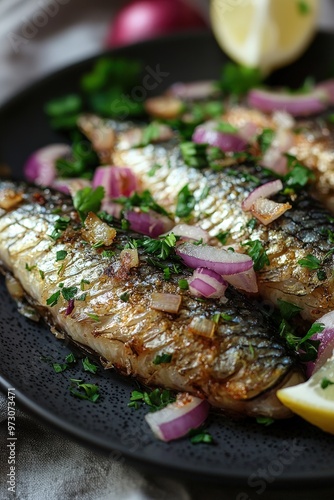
pixel 50 466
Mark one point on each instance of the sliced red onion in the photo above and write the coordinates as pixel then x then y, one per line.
pixel 117 181
pixel 264 191
pixel 112 208
pixel 207 134
pixel 207 283
pixel 326 346
pixel 274 158
pixel 70 307
pixel 295 104
pixel 40 167
pixel 248 132
pixel 187 232
pixel 149 223
pixel 70 186
pixel 193 90
pixel 244 281
pixel 266 211
pixel 219 260
pixel 177 419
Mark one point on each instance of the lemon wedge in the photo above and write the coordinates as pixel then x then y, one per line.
pixel 264 33
pixel 313 400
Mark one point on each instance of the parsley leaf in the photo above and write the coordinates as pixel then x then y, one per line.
pixel 53 299
pixel 325 382
pixel 61 225
pixel 298 175
pixel 125 297
pixel 265 420
pixel 69 292
pixel 194 154
pixel 265 139
pixel 162 358
pixel 59 367
pixel 144 201
pixel 88 200
pixel 222 237
pixel 88 366
pixel 238 80
pixel 257 253
pixel 200 436
pixel 287 309
pixel 226 128
pixel 61 255
pixel 150 133
pixel 303 7
pixel 185 202
pixel 183 284
pixel 310 262
pixel 89 392
pixel 156 399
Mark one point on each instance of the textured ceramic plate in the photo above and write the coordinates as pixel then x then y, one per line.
pixel 289 451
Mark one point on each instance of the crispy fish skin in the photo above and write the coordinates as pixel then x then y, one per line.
pixel 304 230
pixel 237 370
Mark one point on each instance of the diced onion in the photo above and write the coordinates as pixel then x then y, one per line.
pixel 96 231
pixel 149 223
pixel 244 281
pixel 187 232
pixel 264 191
pixel 207 283
pixel 326 346
pixel 9 199
pixel 208 134
pixel 223 262
pixel 178 418
pixel 117 181
pixel 266 211
pixel 40 167
pixel 294 104
pixel 129 258
pixel 166 302
pixel 203 327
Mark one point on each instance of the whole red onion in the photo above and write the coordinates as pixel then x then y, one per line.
pixel 144 19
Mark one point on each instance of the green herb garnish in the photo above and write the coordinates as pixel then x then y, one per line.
pixel 53 299
pixel 303 7
pixel 81 390
pixel 61 225
pixel 88 366
pixel 194 155
pixel 185 202
pixel 216 317
pixel 108 254
pixel 265 421
pixel 222 237
pixel 162 358
pixel 156 400
pixel 200 436
pixel 325 382
pixel 238 80
pixel 61 255
pixel 83 282
pixel 30 268
pixel 226 128
pixel 125 297
pixel 59 367
pixel 94 317
pixel 183 284
pixel 265 139
pixel 257 252
pixel 310 262
pixel 69 292
pixel 298 175
pixel 88 200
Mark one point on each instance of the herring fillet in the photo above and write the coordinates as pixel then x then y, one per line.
pixel 304 230
pixel 238 370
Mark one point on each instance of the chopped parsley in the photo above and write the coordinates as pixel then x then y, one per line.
pixel 216 317
pixel 237 80
pixel 185 202
pixel 162 248
pixel 88 200
pixel 167 273
pixel 125 297
pixel 88 366
pixel 257 253
pixel 69 292
pixel 162 358
pixel 81 390
pixel 310 262
pixel 64 111
pixel 93 316
pixel 325 382
pixel 98 244
pixel 53 299
pixel 41 273
pixel 153 170
pixel 108 254
pixel 59 367
pixel 105 217
pixel 144 201
pixel 61 255
pixel 226 128
pixel 298 175
pixel 183 284
pixel 265 421
pixel 200 436
pixel 150 133
pixel 252 223
pixel 222 237
pixel 287 309
pixel 194 155
pixel 156 399
pixel 83 282
pixel 70 359
pixel 265 139
pixel 30 268
pixel 61 225
pixel 81 163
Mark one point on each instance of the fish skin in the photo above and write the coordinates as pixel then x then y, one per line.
pixel 224 369
pixel 312 144
pixel 301 231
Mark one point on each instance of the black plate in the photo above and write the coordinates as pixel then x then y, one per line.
pixel 289 451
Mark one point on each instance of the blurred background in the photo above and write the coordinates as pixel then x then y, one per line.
pixel 39 36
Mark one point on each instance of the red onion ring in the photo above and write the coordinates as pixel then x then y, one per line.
pixel 207 283
pixel 221 261
pixel 264 191
pixel 117 181
pixel 149 223
pixel 40 167
pixel 177 419
pixel 207 134
pixel 187 232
